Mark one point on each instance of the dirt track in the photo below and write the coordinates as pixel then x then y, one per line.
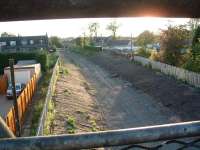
pixel 76 110
pixel 89 92
pixel 121 104
pixel 180 99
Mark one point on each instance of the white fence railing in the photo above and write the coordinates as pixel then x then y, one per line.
pixel 48 98
pixel 179 73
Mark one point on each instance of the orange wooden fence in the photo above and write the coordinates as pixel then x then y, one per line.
pixel 3 84
pixel 23 100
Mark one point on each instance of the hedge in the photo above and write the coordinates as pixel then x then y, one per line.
pixel 40 57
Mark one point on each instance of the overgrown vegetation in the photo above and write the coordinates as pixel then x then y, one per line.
pixel 174 42
pixel 193 63
pixel 87 50
pixel 51 60
pixel 51 106
pixel 67 92
pixel 143 52
pixel 40 96
pixel 62 69
pixel 71 124
pixel 145 38
pixel 36 115
pixel 179 46
pixel 154 56
pixel 50 118
pixel 94 125
pixel 39 102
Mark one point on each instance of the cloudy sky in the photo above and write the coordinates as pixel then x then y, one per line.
pixel 76 27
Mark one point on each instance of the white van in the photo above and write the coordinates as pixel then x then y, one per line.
pixel 18 87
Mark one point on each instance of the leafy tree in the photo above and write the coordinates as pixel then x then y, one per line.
pixel 196 41
pixel 145 38
pixel 55 42
pixel 82 41
pixel 193 24
pixel 196 37
pixel 173 41
pixel 93 29
pixel 113 27
pixel 193 63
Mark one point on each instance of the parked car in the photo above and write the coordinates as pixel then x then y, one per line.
pixel 18 87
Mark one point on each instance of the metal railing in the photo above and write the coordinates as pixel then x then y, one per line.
pixel 130 138
pixel 49 95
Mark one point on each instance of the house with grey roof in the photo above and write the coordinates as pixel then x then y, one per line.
pixel 120 44
pixel 23 43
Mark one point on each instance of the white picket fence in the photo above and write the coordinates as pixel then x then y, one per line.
pixel 179 73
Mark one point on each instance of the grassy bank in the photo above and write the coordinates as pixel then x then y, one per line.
pixel 40 95
pixel 38 101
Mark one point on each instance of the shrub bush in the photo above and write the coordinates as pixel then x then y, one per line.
pixel 51 60
pixel 143 52
pixel 193 63
pixel 155 56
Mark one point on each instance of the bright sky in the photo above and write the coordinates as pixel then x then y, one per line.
pixel 76 27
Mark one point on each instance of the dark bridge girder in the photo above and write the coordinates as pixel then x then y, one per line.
pixel 12 10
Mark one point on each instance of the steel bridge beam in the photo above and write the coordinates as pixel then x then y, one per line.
pixel 104 138
pixel 11 10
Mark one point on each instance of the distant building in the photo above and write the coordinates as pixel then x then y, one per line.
pixel 119 43
pixel 23 43
pixel 101 41
pixel 109 42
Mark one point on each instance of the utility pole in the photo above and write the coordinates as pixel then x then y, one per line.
pixel 12 74
pixel 132 53
pixel 83 39
pixel 131 42
pixel 101 42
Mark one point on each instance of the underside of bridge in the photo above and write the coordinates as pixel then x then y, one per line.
pixel 12 10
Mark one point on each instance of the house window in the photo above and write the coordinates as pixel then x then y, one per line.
pixel 31 42
pixel 24 42
pixel 2 43
pixel 12 43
